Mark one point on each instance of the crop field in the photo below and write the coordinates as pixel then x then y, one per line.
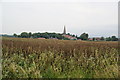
pixel 48 58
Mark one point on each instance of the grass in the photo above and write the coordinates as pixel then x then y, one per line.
pixel 33 58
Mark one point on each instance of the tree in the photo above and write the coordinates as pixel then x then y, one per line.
pixel 93 39
pixel 45 35
pixel 30 34
pixel 66 38
pixel 19 35
pixel 73 35
pixel 108 39
pixel 34 35
pixel 113 38
pixel 15 35
pixel 84 36
pixel 68 33
pixel 102 38
pixel 24 35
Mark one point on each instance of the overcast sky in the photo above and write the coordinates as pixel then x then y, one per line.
pixel 96 17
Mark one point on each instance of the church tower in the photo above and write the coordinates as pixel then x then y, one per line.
pixel 64 31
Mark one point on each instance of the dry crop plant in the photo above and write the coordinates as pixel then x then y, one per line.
pixel 33 58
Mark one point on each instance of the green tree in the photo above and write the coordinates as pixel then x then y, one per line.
pixel 108 39
pixel 93 39
pixel 45 35
pixel 34 35
pixel 68 34
pixel 113 38
pixel 15 35
pixel 102 38
pixel 73 35
pixel 24 35
pixel 19 36
pixel 84 36
pixel 30 34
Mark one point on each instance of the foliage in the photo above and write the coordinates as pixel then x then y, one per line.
pixel 15 35
pixel 102 38
pixel 30 34
pixel 113 38
pixel 47 35
pixel 33 58
pixel 38 35
pixel 24 35
pixel 84 36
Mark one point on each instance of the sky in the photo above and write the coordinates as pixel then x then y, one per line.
pixel 95 17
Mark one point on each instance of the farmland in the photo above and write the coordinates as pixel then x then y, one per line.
pixel 34 58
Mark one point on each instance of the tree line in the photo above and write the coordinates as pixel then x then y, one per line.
pixel 85 36
pixel 47 35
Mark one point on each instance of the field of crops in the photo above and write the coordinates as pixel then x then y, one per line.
pixel 34 58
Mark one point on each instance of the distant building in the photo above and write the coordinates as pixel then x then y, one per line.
pixel 68 36
pixel 95 39
pixel 90 39
pixel 98 39
pixel 64 31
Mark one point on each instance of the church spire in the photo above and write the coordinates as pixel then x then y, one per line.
pixel 64 32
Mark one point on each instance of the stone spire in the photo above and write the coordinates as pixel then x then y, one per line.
pixel 64 32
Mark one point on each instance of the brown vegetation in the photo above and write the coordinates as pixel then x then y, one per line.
pixel 59 58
